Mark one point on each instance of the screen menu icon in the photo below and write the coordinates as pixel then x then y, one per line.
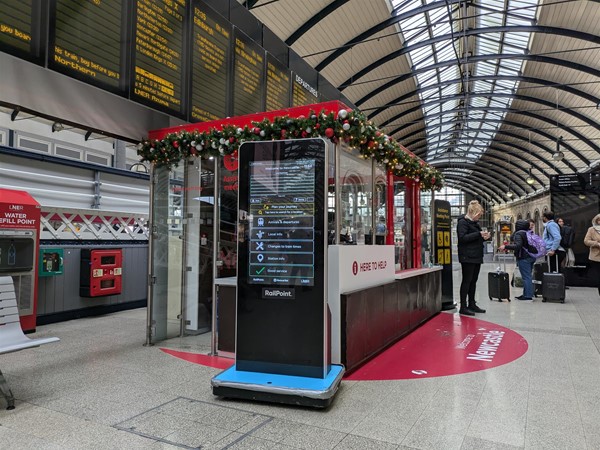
pixel 282 222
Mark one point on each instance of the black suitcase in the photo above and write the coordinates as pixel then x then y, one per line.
pixel 553 285
pixel 538 274
pixel 498 285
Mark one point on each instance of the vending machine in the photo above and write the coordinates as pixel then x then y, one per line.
pixel 19 246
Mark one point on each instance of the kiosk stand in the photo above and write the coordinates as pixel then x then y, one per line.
pixel 282 338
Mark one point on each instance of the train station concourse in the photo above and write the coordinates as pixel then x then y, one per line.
pixel 280 224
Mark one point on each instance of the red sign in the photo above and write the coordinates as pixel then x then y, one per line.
pixel 448 344
pixel 18 210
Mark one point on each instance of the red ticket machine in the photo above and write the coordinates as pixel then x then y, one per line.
pixel 101 272
pixel 19 247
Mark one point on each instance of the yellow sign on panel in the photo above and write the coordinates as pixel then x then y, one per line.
pixel 446 239
pixel 440 256
pixel 440 239
pixel 447 256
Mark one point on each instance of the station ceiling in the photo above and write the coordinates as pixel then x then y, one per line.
pixel 497 94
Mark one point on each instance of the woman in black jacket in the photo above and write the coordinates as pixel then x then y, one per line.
pixel 524 260
pixel 470 256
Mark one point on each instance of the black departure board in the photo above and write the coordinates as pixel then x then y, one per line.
pixel 302 92
pixel 278 84
pixel 249 67
pixel 211 44
pixel 17 27
pixel 87 42
pixel 158 53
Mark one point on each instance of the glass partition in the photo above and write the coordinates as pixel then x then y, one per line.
pixel 426 257
pixel 356 197
pixel 181 249
pixel 401 227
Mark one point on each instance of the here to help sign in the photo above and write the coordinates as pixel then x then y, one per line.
pixel 362 266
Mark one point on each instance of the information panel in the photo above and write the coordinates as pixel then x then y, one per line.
pixel 282 230
pixel 281 315
pixel 278 84
pixel 87 41
pixel 18 20
pixel 302 92
pixel 248 74
pixel 158 53
pixel 210 58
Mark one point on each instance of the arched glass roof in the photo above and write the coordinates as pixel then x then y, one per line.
pixel 486 90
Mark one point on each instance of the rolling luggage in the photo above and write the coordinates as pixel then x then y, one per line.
pixel 553 285
pixel 538 274
pixel 498 284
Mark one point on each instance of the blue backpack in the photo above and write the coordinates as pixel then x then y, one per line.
pixel 536 246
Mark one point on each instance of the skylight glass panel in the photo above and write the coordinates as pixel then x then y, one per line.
pixel 455 118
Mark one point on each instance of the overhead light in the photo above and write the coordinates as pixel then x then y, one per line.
pixel 57 126
pixel 138 167
pixel 582 196
pixel 558 155
pixel 530 180
pixel 509 193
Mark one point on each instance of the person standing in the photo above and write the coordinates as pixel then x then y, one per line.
pixel 567 237
pixel 551 238
pixel 524 260
pixel 470 256
pixel 592 240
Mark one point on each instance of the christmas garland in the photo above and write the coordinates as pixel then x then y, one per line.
pixel 351 127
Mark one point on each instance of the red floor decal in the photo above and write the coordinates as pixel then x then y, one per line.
pixel 204 360
pixel 448 344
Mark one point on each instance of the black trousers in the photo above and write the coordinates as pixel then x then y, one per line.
pixel 594 271
pixel 561 257
pixel 470 274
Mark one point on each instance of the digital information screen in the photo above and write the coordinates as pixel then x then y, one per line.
pixel 302 92
pixel 210 57
pixel 158 53
pixel 249 68
pixel 15 25
pixel 87 40
pixel 278 84
pixel 281 304
pixel 282 222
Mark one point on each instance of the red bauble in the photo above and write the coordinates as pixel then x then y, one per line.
pixel 317 126
pixel 372 145
pixel 176 144
pixel 304 134
pixel 256 130
pixel 231 140
pixel 329 132
pixel 283 133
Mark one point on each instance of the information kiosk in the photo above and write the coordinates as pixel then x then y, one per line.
pixel 282 339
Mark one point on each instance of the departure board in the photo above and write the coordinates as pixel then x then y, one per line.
pixel 158 53
pixel 87 40
pixel 210 57
pixel 302 92
pixel 249 67
pixel 16 25
pixel 282 228
pixel 278 84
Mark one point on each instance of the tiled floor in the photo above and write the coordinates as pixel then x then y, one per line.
pixel 99 387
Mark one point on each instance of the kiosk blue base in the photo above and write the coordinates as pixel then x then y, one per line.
pixel 288 389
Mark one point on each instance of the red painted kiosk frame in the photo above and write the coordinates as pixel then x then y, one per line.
pixel 412 198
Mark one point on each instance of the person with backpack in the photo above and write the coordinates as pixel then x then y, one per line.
pixel 567 237
pixel 552 239
pixel 525 255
